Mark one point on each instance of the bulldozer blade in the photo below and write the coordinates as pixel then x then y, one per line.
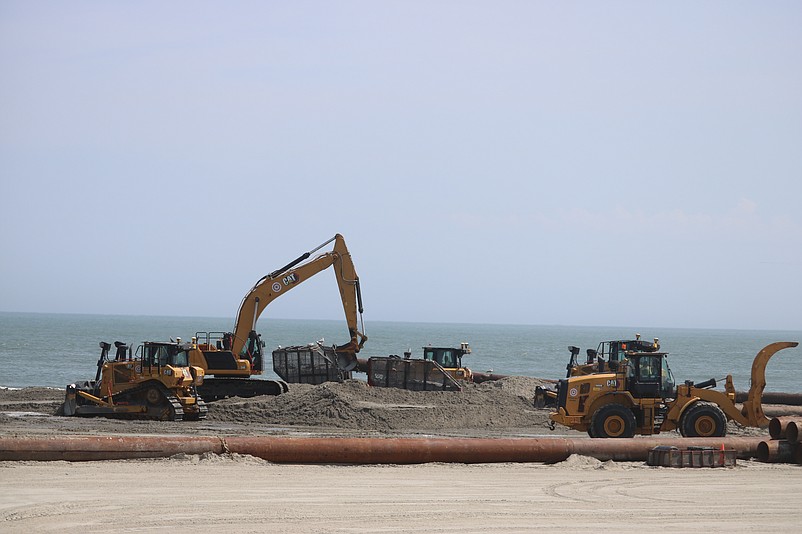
pixel 70 404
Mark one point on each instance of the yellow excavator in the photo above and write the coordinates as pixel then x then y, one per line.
pixel 230 359
pixel 638 395
pixel 155 383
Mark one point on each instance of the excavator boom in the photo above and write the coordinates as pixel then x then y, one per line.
pixel 282 280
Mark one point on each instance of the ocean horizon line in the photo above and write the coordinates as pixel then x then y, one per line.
pixel 646 328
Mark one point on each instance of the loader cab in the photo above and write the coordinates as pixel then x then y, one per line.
pixel 615 351
pixel 648 376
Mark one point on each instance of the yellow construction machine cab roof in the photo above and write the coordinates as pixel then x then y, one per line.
pixel 447 357
pixel 158 353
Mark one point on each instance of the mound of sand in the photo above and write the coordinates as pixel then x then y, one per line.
pixel 353 404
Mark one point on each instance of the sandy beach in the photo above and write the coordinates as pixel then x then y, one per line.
pixel 206 493
pixel 244 494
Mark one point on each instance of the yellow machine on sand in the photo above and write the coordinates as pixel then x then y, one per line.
pixel 230 359
pixel 450 359
pixel 157 383
pixel 638 396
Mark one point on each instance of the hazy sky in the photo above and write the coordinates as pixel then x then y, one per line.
pixel 576 163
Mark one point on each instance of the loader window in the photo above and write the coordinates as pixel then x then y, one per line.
pixel 649 369
pixel 630 369
pixel 668 384
pixel 646 382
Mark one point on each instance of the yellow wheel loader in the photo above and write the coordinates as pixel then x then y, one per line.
pixel 638 396
pixel 156 383
pixel 599 360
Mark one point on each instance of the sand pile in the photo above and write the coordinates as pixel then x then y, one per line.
pixel 353 404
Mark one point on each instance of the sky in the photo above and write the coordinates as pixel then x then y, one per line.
pixel 557 163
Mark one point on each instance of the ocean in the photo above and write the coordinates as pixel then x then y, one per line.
pixel 57 349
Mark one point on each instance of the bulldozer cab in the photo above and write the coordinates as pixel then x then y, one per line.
pixel 447 357
pixel 649 376
pixel 157 354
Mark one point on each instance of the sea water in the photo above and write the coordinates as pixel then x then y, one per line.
pixel 57 349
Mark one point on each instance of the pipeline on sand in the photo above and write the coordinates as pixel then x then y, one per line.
pixel 358 450
pixel 780 427
pixel 776 451
pixel 785 445
pixel 773 397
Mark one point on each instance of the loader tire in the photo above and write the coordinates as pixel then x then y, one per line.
pixel 612 421
pixel 703 420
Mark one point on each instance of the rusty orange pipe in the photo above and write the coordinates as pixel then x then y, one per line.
pixel 775 451
pixel 466 450
pixel 88 448
pixel 778 426
pixel 637 449
pixel 792 430
pixel 358 450
pixel 401 450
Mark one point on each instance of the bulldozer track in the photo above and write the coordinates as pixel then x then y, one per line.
pixel 156 412
pixel 203 410
pixel 137 396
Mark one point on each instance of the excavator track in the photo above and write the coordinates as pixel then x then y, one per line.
pixel 215 388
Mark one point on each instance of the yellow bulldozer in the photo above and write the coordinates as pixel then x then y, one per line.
pixel 637 395
pixel 155 383
pixel 450 358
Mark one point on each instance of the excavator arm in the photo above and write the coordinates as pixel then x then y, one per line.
pixel 282 280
